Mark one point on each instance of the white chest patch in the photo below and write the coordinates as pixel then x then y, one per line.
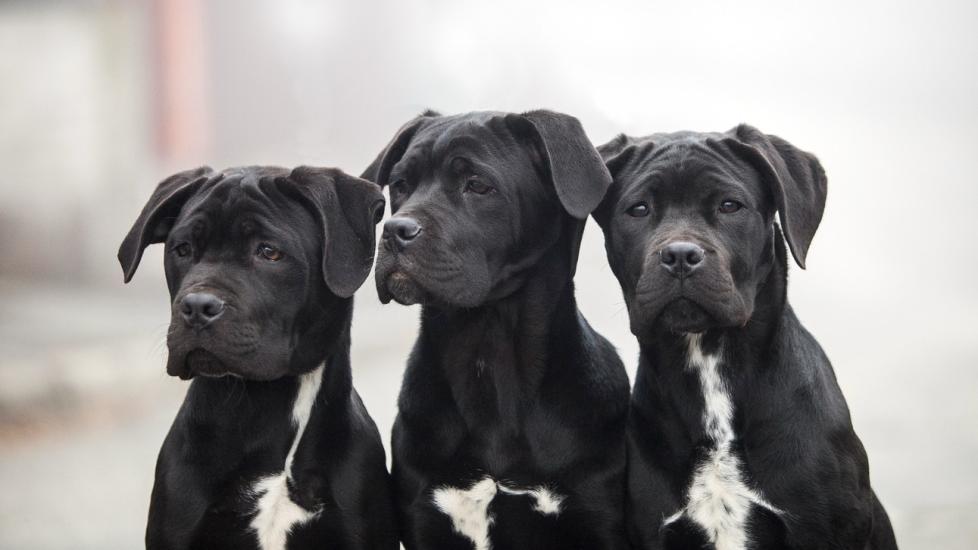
pixel 718 500
pixel 275 512
pixel 469 508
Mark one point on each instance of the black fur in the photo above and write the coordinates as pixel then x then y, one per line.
pixel 506 378
pixel 282 318
pixel 793 434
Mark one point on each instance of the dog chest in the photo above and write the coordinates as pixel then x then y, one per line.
pixel 275 513
pixel 718 500
pixel 468 507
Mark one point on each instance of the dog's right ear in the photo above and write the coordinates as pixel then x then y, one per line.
pixel 155 221
pixel 380 169
pixel 615 155
pixel 616 152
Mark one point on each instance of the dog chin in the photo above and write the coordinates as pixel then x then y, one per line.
pixel 684 316
pixel 197 362
pixel 401 288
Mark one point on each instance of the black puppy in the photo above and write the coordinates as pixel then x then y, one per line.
pixel 272 448
pixel 739 436
pixel 511 423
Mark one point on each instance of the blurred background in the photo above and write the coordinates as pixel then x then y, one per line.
pixel 102 99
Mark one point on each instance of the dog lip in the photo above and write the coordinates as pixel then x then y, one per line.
pixel 200 361
pixel 402 288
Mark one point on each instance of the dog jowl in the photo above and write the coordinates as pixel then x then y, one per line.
pixel 739 436
pixel 511 416
pixel 261 264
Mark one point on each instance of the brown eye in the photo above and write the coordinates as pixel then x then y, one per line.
pixel 729 207
pixel 182 250
pixel 638 210
pixel 270 253
pixel 477 186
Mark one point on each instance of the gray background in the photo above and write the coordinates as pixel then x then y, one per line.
pixel 101 99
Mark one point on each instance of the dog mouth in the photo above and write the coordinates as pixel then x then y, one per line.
pixel 683 315
pixel 395 283
pixel 198 362
pixel 401 288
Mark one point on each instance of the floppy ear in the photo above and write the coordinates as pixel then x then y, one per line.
pixel 380 169
pixel 615 155
pixel 616 152
pixel 575 167
pixel 348 209
pixel 796 180
pixel 155 221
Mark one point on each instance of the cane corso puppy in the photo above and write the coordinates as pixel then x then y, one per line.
pixel 739 436
pixel 272 448
pixel 511 423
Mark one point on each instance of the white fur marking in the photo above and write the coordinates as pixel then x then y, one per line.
pixel 545 501
pixel 276 514
pixel 469 508
pixel 718 500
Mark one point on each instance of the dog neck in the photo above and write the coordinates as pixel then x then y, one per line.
pixel 494 357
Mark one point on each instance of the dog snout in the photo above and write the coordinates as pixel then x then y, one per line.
pixel 401 230
pixel 200 309
pixel 681 258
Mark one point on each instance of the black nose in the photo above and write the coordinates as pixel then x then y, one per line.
pixel 401 229
pixel 200 309
pixel 681 258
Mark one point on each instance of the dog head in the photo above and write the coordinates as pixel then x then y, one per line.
pixel 259 262
pixel 689 222
pixel 478 199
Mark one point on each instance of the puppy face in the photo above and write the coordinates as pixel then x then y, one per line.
pixel 247 261
pixel 476 204
pixel 689 223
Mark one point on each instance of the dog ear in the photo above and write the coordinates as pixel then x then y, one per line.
pixel 348 209
pixel 574 166
pixel 796 180
pixel 380 169
pixel 615 155
pixel 155 221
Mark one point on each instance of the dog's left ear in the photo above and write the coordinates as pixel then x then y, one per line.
pixel 348 209
pixel 576 170
pixel 796 180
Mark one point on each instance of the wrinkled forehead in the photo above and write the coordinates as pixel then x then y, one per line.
pixel 481 136
pixel 246 199
pixel 689 162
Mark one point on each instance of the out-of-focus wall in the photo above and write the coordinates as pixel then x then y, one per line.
pixel 101 99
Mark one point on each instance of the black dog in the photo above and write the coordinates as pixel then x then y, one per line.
pixel 511 424
pixel 739 436
pixel 272 448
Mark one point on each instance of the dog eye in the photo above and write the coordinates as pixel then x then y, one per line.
pixel 638 210
pixel 270 253
pixel 182 250
pixel 399 186
pixel 729 207
pixel 477 186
